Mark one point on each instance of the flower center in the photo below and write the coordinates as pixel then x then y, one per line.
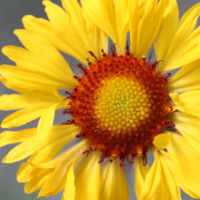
pixel 121 104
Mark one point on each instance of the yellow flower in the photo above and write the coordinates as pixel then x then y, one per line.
pixel 121 104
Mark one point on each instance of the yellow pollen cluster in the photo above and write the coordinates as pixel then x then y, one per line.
pixel 121 104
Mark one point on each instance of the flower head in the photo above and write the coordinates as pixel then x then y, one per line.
pixel 121 104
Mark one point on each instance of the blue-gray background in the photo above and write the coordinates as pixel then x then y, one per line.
pixel 11 13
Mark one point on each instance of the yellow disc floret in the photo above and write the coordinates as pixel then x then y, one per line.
pixel 121 104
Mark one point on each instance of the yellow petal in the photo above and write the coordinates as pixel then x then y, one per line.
pixel 188 102
pixel 74 11
pixel 59 18
pixel 102 42
pixel 40 178
pixel 58 175
pixel 53 143
pixel 122 25
pixel 42 95
pixel 134 13
pixel 187 24
pixel 59 40
pixel 102 14
pixel 58 70
pixel 43 50
pixel 176 178
pixel 140 175
pixel 61 186
pixel 31 98
pixel 21 151
pixel 185 162
pixel 82 38
pixel 162 140
pixel 190 56
pixel 69 192
pixel 159 182
pixel 188 47
pixel 59 135
pixel 22 117
pixel 113 177
pixel 186 79
pixel 189 127
pixel 145 26
pixel 25 173
pixel 98 37
pixel 10 137
pixel 28 60
pixel 87 178
pixel 27 79
pixel 175 98
pixel 46 122
pixel 7 84
pixel 70 155
pixel 34 104
pixel 175 55
pixel 111 17
pixel 14 101
pixel 146 40
pixel 170 19
pixel 72 18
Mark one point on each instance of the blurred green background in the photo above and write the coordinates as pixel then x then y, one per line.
pixel 11 13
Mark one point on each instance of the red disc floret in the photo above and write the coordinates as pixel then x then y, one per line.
pixel 128 141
